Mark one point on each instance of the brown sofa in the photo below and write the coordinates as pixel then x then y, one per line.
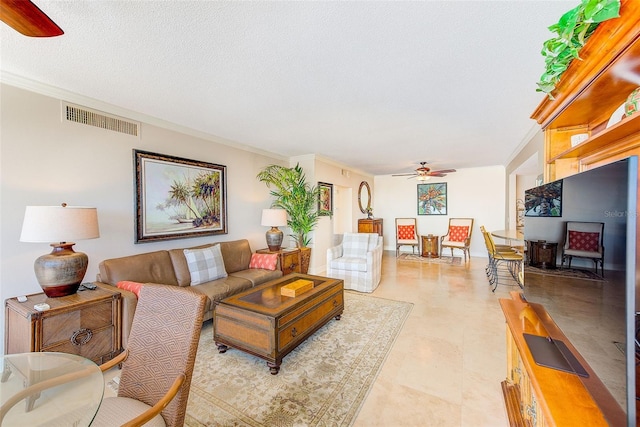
pixel 169 267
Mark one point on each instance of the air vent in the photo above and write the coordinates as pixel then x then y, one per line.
pixel 77 114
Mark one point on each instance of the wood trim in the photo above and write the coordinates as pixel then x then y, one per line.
pixel 610 40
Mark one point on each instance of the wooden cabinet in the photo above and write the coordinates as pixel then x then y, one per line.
pixel 86 323
pixel 288 259
pixel 589 92
pixel 539 396
pixel 370 225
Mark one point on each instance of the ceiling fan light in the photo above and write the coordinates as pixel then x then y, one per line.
pixel 423 177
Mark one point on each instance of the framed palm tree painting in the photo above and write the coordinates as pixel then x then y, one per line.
pixel 432 199
pixel 178 198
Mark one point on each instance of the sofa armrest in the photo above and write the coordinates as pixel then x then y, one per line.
pixel 334 252
pixel 129 304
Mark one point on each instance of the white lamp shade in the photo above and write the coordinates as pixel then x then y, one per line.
pixel 59 224
pixel 274 217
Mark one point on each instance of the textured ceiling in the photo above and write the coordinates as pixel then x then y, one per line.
pixel 378 86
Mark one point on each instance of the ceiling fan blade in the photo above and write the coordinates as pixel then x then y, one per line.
pixel 26 18
pixel 405 174
pixel 437 174
pixel 442 171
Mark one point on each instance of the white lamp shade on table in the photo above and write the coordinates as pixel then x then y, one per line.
pixel 60 272
pixel 274 218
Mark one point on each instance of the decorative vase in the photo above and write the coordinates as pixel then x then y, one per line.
pixel 632 105
pixel 305 260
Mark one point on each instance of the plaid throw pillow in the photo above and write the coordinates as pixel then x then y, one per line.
pixel 264 261
pixel 406 232
pixel 457 233
pixel 205 264
pixel 583 241
pixel 355 245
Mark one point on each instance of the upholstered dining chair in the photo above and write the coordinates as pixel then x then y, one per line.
pixel 584 240
pixel 458 236
pixel 158 362
pixel 407 234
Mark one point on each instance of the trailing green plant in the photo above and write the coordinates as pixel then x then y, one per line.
pixel 295 195
pixel 573 29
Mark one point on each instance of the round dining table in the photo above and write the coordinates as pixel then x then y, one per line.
pixel 48 388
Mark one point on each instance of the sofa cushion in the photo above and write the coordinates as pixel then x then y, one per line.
pixel 355 245
pixel 130 286
pixel 349 264
pixel 154 267
pixel 217 290
pixel 205 264
pixel 236 255
pixel 264 261
pixel 257 276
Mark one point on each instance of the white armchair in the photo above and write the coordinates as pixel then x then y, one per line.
pixel 357 261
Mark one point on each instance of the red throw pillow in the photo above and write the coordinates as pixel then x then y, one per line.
pixel 130 286
pixel 457 233
pixel 406 232
pixel 264 261
pixel 584 241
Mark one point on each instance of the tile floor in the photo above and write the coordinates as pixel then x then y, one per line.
pixel 446 366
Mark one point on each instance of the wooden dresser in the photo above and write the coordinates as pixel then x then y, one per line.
pixel 372 225
pixel 538 396
pixel 86 323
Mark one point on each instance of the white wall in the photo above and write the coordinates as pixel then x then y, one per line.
pixel 45 161
pixel 476 193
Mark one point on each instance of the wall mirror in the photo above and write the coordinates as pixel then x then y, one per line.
pixel 364 197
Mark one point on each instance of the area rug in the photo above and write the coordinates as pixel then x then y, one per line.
pixel 442 260
pixel 323 382
pixel 572 273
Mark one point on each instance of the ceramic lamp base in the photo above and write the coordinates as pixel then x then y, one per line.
pixel 274 239
pixel 60 272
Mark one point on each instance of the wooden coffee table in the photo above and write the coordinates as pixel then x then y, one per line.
pixel 268 325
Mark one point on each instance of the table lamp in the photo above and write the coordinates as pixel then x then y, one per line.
pixel 274 218
pixel 60 272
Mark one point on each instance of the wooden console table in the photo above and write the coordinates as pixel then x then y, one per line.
pixel 370 225
pixel 538 396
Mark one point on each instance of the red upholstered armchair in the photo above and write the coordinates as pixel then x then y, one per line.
pixel 584 240
pixel 458 236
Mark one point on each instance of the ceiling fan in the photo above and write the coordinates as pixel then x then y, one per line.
pixel 423 173
pixel 26 18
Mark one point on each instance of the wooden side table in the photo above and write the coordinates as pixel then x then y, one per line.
pixel 542 254
pixel 430 246
pixel 288 258
pixel 86 323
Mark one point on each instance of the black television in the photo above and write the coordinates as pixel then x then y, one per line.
pixel 597 316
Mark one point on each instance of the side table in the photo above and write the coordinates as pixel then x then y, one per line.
pixel 542 254
pixel 86 323
pixel 288 258
pixel 430 246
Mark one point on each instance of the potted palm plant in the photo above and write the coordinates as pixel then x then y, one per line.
pixel 295 195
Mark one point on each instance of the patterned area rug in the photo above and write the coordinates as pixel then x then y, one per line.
pixel 574 273
pixel 456 260
pixel 323 382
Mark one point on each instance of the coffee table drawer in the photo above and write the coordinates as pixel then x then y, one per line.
pixel 310 320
